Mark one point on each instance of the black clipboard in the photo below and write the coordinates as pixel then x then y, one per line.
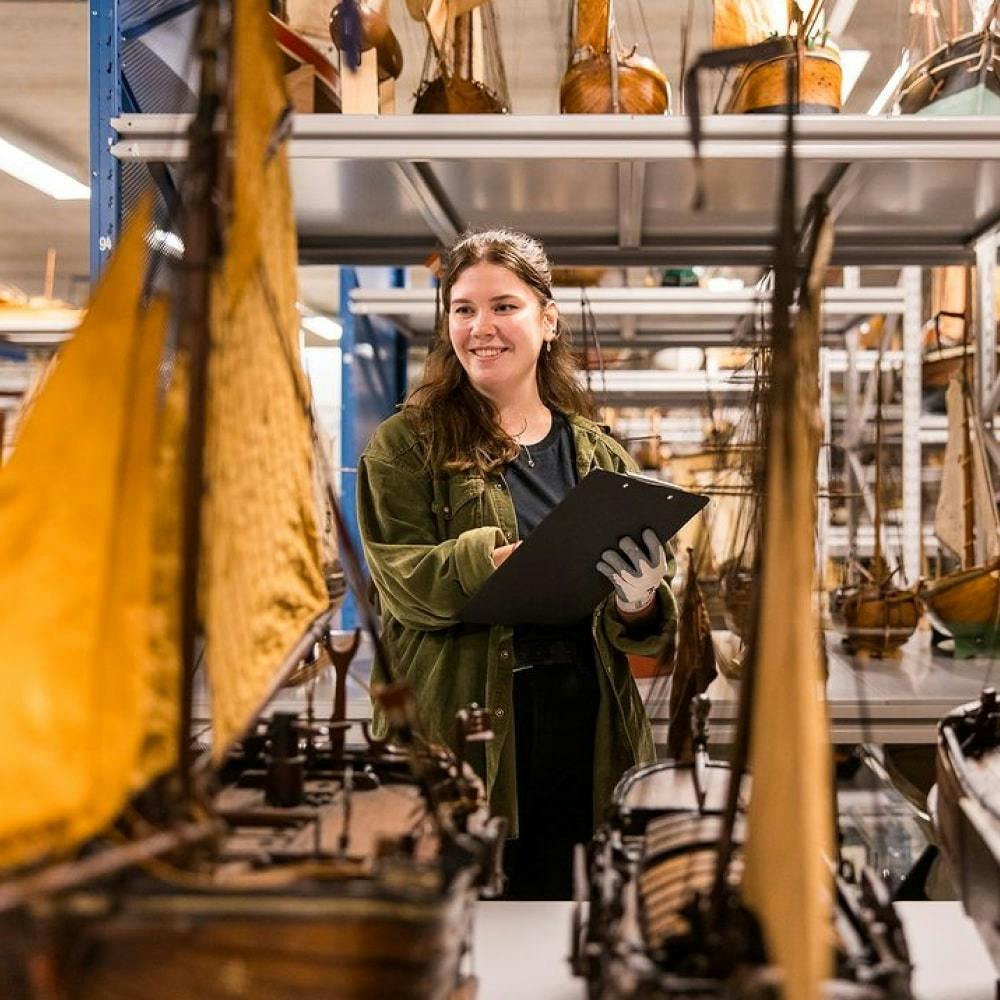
pixel 552 578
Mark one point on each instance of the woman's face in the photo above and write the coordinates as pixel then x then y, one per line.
pixel 497 328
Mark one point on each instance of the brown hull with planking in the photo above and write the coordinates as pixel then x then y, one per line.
pixel 876 620
pixel 962 77
pixel 457 96
pixel 587 88
pixel 941 365
pixel 762 89
pixel 295 945
pixel 966 606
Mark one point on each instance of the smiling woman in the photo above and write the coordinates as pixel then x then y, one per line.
pixel 491 440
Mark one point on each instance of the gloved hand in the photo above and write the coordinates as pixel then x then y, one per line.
pixel 634 571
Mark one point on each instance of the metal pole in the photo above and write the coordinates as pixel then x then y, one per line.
pixel 912 530
pixel 105 104
pixel 986 342
pixel 852 387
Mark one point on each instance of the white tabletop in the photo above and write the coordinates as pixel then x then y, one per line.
pixel 521 950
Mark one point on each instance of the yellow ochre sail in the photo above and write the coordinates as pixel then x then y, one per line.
pixel 80 688
pixel 787 879
pixel 261 579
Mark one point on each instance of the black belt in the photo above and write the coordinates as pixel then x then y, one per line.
pixel 536 653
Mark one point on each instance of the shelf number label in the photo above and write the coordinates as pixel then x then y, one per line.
pixel 104 244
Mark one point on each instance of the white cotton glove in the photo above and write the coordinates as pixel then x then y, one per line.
pixel 635 571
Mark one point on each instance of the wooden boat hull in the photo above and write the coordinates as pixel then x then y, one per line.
pixel 289 945
pixel 642 87
pixel 966 812
pixel 966 606
pixel 962 77
pixel 940 366
pixel 761 87
pixel 456 96
pixel 875 620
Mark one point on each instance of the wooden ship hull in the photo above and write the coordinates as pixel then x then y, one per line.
pixel 966 606
pixel 454 95
pixel 588 87
pixel 875 620
pixel 941 365
pixel 967 811
pixel 761 87
pixel 297 902
pixel 651 870
pixel 962 77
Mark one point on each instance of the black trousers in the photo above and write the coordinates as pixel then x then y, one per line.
pixel 555 712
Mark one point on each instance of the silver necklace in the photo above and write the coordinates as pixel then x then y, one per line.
pixel 520 443
pixel 531 461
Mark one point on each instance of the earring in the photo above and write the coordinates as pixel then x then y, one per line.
pixel 548 346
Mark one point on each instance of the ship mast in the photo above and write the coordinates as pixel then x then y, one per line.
pixel 592 20
pixel 200 249
pixel 877 568
pixel 968 486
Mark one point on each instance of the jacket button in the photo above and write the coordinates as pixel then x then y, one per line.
pixel 447 510
pixel 504 654
pixel 498 712
pixel 500 487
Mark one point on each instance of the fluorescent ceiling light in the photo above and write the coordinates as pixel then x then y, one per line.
pixel 39 174
pixel 890 85
pixel 852 63
pixel 323 326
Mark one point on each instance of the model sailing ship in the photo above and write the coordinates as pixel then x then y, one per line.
pixel 875 616
pixel 604 76
pixel 798 39
pixel 318 868
pixel 463 72
pixel 965 604
pixel 694 892
pixel 960 74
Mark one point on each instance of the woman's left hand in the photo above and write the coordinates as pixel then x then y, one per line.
pixel 635 571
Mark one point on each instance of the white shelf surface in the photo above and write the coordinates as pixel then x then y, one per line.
pixel 607 189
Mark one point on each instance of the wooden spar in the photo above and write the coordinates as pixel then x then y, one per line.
pixel 200 248
pixel 462 46
pixel 877 519
pixel 592 20
pixel 71 874
pixel 968 486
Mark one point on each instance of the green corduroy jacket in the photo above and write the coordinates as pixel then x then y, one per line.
pixel 428 538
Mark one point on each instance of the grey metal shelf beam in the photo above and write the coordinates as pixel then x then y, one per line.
pixel 617 190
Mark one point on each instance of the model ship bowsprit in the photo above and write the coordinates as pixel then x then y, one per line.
pixel 696 893
pixel 319 869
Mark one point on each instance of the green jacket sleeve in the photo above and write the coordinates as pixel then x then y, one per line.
pixel 422 582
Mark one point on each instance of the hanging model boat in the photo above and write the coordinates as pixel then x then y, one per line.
pixel 876 618
pixel 760 86
pixel 961 76
pixel 463 71
pixel 318 868
pixel 605 78
pixel 967 810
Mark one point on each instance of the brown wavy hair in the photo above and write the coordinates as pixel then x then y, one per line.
pixel 459 426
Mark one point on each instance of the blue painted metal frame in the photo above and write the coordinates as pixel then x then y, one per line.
pixel 373 383
pixel 105 104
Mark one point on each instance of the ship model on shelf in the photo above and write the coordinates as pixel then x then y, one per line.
pixel 967 810
pixel 965 603
pixel 463 71
pixel 285 861
pixel 706 882
pixel 797 35
pixel 960 72
pixel 604 75
pixel 875 616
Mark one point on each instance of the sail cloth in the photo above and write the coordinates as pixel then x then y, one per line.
pixel 81 692
pixel 949 517
pixel 261 579
pixel 787 880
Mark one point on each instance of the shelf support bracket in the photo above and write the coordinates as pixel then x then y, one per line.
pixel 418 182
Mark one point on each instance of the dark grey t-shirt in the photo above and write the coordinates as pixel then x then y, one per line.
pixel 538 479
pixel 541 475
